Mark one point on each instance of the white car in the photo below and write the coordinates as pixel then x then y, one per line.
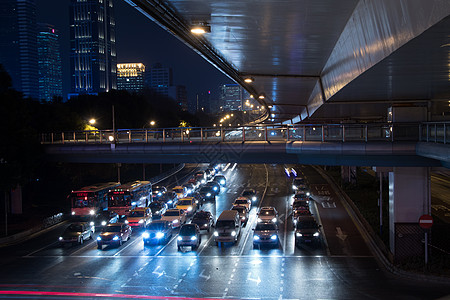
pixel 268 214
pixel 243 201
pixel 177 217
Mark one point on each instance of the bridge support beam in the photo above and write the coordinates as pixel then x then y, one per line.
pixel 409 198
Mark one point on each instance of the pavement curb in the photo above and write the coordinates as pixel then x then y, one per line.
pixel 374 242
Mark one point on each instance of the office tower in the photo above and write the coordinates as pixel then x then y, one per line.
pixel 203 102
pixel 93 46
pixel 161 79
pixel 232 96
pixel 50 69
pixel 179 94
pixel 18 44
pixel 130 77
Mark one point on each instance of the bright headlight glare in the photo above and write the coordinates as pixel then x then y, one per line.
pixel 92 212
pixel 189 208
pixel 259 220
pixel 298 234
pixel 141 221
pixel 208 195
pixel 254 198
pixel 99 238
pixel 126 222
pixel 91 223
pixel 60 238
pixel 274 220
pixel 215 188
pixel 233 233
pixel 180 238
pixel 216 233
pixel 222 182
pixel 73 213
pixel 294 187
pixel 307 194
pixel 175 221
pixel 103 223
pixel 193 238
pixel 145 235
pixel 273 237
pixel 316 234
pixel 115 238
pixel 256 238
pixel 159 235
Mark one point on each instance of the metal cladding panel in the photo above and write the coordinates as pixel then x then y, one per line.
pixel 375 30
pixel 432 150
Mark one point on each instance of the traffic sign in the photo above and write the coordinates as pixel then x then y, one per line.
pixel 426 221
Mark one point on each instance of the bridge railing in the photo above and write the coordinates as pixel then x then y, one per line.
pixel 431 132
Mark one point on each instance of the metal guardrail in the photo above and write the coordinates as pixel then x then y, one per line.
pixel 430 132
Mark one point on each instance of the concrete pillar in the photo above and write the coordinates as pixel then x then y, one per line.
pixel 409 198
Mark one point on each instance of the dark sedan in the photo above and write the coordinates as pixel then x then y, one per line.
pixel 77 233
pixel 207 193
pixel 157 232
pixel 170 198
pixel 114 234
pixel 158 208
pixel 104 217
pixel 204 220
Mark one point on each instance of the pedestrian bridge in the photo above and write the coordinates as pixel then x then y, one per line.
pixel 380 144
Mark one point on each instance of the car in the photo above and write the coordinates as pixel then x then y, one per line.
pixel 265 233
pixel 200 176
pixel 77 233
pixel 139 217
pixel 158 191
pixel 189 236
pixel 210 172
pixel 158 232
pixel 250 194
pixel 188 204
pixel 104 217
pixel 158 208
pixel 176 216
pixel 195 183
pixel 228 227
pixel 207 193
pixel 114 234
pixel 189 188
pixel 303 190
pixel 204 220
pixel 297 182
pixel 220 179
pixel 301 195
pixel 307 230
pixel 243 213
pixel 268 214
pixel 243 201
pixel 303 211
pixel 180 191
pixel 300 204
pixel 170 198
pixel 215 187
pixel 290 172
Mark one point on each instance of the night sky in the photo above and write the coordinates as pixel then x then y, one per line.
pixel 138 39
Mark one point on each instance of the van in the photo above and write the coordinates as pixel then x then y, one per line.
pixel 228 227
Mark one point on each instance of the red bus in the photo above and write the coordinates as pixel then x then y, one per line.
pixel 124 198
pixel 89 200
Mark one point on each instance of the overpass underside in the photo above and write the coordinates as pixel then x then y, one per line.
pixel 296 152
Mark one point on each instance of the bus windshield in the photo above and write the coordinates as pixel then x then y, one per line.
pixel 118 200
pixel 83 201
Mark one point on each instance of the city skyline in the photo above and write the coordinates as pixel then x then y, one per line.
pixel 152 45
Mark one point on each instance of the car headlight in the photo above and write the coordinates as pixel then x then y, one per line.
pixel 92 212
pixel 189 208
pixel 159 235
pixel 175 221
pixel 294 187
pixel 274 220
pixel 179 238
pixel 141 221
pixel 216 233
pixel 208 195
pixel 170 202
pixel 254 198
pixel 298 234
pixel 193 238
pixel 73 213
pixel 145 235
pixel 203 181
pixel 233 233
pixel 256 238
pixel 92 223
pixel 115 238
pixel 215 188
pixel 103 223
pixel 307 194
pixel 259 220
pixel 316 234
pixel 222 182
pixel 61 238
pixel 273 237
pixel 159 194
pixel 126 222
pixel 133 203
pixel 99 238
pixel 295 221
pixel 243 218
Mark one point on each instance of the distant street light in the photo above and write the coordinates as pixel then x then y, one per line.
pixel 92 121
pixel 152 123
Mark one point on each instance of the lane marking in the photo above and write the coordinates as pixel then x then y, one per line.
pixel 126 246
pixel 40 249
pixel 325 240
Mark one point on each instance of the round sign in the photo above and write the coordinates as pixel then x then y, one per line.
pixel 426 221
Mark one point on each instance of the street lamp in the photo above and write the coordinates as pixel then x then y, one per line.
pixel 92 121
pixel 152 123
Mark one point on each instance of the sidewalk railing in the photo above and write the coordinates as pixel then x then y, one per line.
pixel 430 132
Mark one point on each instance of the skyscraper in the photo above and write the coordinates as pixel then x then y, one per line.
pixel 93 46
pixel 50 69
pixel 130 77
pixel 18 44
pixel 232 96
pixel 161 79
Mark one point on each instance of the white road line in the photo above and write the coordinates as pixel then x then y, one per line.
pixel 323 231
pixel 204 245
pixel 40 249
pixel 85 246
pixel 128 245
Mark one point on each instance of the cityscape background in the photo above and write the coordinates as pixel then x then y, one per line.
pixel 46 46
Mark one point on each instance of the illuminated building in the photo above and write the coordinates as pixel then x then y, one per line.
pixel 93 46
pixel 50 70
pixel 232 97
pixel 161 79
pixel 130 77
